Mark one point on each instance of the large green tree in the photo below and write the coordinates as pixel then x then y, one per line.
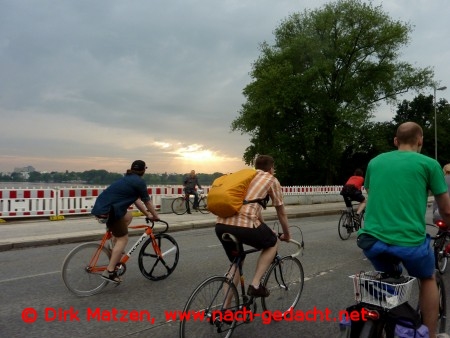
pixel 316 87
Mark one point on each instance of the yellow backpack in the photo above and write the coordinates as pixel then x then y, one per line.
pixel 227 193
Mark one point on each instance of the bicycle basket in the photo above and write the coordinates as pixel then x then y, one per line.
pixel 369 287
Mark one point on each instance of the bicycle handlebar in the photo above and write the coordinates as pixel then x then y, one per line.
pixel 299 247
pixel 150 220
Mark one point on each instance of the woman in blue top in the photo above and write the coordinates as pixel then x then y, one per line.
pixel 113 203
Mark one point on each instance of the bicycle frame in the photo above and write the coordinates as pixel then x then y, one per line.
pixel 108 235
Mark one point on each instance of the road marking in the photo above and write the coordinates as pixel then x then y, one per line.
pixel 29 276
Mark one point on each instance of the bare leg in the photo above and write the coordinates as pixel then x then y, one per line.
pixel 361 207
pixel 119 243
pixel 429 304
pixel 265 259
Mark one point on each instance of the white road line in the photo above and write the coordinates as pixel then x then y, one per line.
pixel 29 276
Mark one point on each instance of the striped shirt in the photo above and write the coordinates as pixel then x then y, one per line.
pixel 262 185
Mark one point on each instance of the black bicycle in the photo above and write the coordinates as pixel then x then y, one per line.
pixel 441 246
pixel 349 221
pixel 383 302
pixel 181 204
pixel 219 308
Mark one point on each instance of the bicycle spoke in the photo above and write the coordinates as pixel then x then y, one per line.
pixel 153 266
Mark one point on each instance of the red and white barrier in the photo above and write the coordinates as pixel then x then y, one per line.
pixel 27 203
pixel 76 201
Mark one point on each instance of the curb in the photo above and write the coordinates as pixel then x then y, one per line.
pixel 182 226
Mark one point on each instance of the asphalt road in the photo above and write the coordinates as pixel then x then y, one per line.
pixel 30 282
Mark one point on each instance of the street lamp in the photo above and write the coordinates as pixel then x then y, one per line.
pixel 435 120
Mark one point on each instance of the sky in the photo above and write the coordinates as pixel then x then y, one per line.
pixel 97 84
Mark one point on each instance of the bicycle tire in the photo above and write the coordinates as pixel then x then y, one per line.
pixel 179 206
pixel 440 257
pixel 370 329
pixel 202 206
pixel 207 298
pixel 76 272
pixel 442 321
pixel 285 279
pixel 345 226
pixel 154 267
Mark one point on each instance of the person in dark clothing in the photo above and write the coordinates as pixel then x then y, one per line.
pixel 189 183
pixel 113 203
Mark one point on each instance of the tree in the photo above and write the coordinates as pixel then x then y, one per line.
pixel 315 89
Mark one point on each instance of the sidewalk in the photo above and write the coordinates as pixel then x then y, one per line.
pixel 39 232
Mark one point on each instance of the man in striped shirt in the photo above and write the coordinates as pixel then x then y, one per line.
pixel 248 225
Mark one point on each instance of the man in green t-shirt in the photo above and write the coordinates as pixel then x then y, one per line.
pixel 398 183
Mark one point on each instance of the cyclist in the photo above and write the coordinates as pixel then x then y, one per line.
pixel 436 215
pixel 112 204
pixel 352 192
pixel 189 183
pixel 395 230
pixel 248 225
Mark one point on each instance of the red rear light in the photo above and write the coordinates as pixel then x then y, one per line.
pixel 441 224
pixel 370 314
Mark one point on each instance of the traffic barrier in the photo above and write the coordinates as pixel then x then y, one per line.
pixel 76 201
pixel 27 203
pixel 59 202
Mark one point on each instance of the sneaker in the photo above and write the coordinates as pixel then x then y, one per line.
pixel 261 291
pixel 111 277
pixel 189 212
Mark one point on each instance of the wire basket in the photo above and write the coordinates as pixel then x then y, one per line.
pixel 371 288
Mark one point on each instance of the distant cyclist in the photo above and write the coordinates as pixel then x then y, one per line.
pixel 352 191
pixel 189 183
pixel 436 215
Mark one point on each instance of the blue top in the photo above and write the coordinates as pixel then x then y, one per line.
pixel 120 195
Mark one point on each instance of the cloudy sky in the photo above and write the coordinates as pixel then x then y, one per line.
pixel 96 84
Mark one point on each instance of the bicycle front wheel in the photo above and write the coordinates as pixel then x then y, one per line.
pixel 81 270
pixel 209 310
pixel 156 267
pixel 202 207
pixel 345 226
pixel 179 206
pixel 285 280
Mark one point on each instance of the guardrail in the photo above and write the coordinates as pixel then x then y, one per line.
pixel 59 202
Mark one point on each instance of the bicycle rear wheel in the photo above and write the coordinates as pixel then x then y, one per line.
pixel 345 226
pixel 202 207
pixel 179 206
pixel 440 257
pixel 205 309
pixel 442 321
pixel 81 271
pixel 285 280
pixel 153 266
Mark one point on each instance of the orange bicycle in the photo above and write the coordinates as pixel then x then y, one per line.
pixel 83 266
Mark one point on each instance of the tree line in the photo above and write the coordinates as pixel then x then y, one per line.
pixel 314 92
pixel 102 177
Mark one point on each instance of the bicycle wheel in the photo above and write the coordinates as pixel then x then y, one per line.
pixel 179 206
pixel 154 267
pixel 440 257
pixel 285 280
pixel 345 226
pixel 442 321
pixel 202 207
pixel 203 312
pixel 77 273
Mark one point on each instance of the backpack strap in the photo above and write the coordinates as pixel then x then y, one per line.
pixel 261 201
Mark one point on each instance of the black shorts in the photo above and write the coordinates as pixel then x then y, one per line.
pixel 116 226
pixel 356 196
pixel 261 237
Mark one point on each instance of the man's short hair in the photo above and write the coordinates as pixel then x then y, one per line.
pixel 264 162
pixel 408 132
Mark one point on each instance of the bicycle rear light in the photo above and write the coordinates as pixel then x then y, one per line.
pixel 371 314
pixel 441 224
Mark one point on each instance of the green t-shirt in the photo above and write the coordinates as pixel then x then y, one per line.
pixel 398 183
